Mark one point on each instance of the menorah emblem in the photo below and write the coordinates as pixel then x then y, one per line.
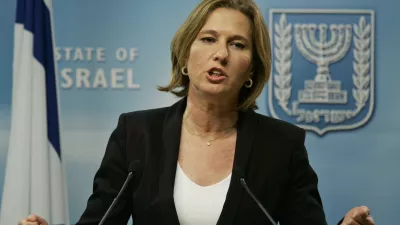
pixel 323 52
pixel 339 45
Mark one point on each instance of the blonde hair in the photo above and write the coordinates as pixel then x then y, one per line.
pixel 187 33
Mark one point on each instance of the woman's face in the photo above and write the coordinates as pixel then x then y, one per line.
pixel 219 61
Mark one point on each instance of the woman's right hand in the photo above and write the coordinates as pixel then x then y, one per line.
pixel 33 220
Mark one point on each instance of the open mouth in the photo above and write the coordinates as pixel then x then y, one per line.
pixel 216 75
pixel 215 72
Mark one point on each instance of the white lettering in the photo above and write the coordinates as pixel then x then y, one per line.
pixel 121 54
pixel 100 79
pixel 130 81
pixel 68 51
pixel 82 75
pixel 65 74
pixel 89 53
pixel 328 116
pixel 57 54
pixel 117 76
pixel 133 53
pixel 100 53
pixel 78 55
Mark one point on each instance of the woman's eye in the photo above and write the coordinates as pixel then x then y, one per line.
pixel 208 39
pixel 239 45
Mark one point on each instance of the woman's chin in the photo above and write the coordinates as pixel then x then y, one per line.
pixel 213 90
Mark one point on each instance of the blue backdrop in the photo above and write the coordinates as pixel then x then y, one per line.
pixel 112 55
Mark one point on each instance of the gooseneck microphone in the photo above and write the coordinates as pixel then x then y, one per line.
pixel 132 169
pixel 243 183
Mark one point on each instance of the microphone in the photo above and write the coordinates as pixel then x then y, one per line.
pixel 243 183
pixel 132 169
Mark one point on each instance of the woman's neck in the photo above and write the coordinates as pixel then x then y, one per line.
pixel 209 115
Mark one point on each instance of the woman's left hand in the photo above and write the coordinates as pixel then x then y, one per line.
pixel 358 216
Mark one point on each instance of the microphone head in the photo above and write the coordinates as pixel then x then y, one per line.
pixel 242 181
pixel 135 166
pixel 240 174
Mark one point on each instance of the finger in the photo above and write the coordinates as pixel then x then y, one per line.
pixel 41 220
pixel 369 221
pixel 360 214
pixel 32 223
pixel 366 210
pixel 22 222
pixel 35 218
pixel 351 222
pixel 32 218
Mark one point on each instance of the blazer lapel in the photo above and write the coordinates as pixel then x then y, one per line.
pixel 171 140
pixel 247 125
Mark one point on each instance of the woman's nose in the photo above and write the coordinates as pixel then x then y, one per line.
pixel 221 54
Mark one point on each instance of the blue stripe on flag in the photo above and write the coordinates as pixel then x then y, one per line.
pixel 35 16
pixel 20 17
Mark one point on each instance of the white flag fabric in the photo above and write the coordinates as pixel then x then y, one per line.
pixel 34 178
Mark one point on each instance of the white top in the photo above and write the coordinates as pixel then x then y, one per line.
pixel 198 205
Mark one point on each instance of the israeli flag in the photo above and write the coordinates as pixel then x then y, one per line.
pixel 34 178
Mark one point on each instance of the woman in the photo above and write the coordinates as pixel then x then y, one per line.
pixel 195 152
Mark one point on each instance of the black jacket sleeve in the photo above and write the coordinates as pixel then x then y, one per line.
pixel 108 181
pixel 303 204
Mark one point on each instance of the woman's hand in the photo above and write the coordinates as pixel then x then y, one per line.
pixel 33 220
pixel 358 216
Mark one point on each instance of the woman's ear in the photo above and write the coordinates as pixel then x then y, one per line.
pixel 251 71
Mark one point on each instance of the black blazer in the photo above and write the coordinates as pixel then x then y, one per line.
pixel 269 152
